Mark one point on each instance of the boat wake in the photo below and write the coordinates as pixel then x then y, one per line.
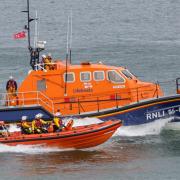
pixel 83 121
pixel 153 128
pixel 28 149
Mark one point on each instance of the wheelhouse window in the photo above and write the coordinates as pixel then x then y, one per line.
pixel 99 75
pixel 114 76
pixel 127 74
pixel 69 77
pixel 85 76
pixel 41 85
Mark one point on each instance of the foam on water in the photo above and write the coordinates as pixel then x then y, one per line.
pixel 13 128
pixel 28 149
pixel 83 121
pixel 153 128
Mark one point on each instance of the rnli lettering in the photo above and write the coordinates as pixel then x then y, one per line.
pixel 78 90
pixel 155 115
pixel 162 113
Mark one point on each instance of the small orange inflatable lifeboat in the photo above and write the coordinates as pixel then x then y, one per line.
pixel 74 137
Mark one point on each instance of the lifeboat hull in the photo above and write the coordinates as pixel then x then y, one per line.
pixel 77 138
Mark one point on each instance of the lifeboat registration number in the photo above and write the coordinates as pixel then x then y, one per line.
pixel 119 87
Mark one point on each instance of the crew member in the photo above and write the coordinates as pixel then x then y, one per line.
pixel 57 122
pixel 25 127
pixel 3 129
pixel 11 85
pixel 12 100
pixel 43 61
pixel 49 57
pixel 38 124
pixel 47 61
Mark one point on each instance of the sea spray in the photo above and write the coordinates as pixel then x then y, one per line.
pixel 14 128
pixel 82 121
pixel 152 128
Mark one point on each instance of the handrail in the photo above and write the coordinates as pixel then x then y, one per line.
pixel 53 111
pixel 51 104
pixel 40 66
pixel 36 97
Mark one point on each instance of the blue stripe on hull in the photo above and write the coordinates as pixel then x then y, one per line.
pixel 135 114
pixel 146 114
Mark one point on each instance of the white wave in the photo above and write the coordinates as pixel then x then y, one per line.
pixel 152 128
pixel 28 149
pixel 83 121
pixel 14 128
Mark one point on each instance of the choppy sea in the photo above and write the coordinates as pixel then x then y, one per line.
pixel 142 35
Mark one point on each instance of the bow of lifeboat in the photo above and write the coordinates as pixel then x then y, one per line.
pixel 77 137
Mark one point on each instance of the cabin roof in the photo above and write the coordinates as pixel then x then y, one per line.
pixel 86 66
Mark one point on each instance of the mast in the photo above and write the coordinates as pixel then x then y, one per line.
pixel 67 52
pixel 28 28
pixel 36 32
pixel 70 44
pixel 38 45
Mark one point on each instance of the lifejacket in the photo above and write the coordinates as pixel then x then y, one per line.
pixel 38 124
pixel 24 125
pixel 57 121
pixel 13 100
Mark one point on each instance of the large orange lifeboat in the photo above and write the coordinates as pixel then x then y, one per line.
pixel 76 137
pixel 85 88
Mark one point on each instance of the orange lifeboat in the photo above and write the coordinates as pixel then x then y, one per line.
pixel 76 137
pixel 85 88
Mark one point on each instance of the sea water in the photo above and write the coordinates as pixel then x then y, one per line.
pixel 143 36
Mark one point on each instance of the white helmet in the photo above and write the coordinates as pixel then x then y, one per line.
pixel 24 118
pixel 43 56
pixel 11 77
pixel 57 114
pixel 49 54
pixel 39 115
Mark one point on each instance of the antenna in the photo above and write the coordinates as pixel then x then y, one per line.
pixel 28 28
pixel 38 45
pixel 67 50
pixel 36 31
pixel 70 40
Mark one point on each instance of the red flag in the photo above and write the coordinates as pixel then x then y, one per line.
pixel 20 35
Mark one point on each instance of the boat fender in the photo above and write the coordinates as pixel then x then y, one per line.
pixel 69 125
